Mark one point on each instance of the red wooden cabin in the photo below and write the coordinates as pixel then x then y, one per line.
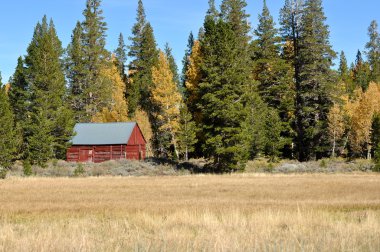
pixel 99 142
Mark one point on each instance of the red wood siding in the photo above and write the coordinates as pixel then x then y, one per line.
pixel 135 149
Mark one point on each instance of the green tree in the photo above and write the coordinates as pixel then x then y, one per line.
pixel 273 74
pixel 19 100
pixel 361 72
pixel 51 122
pixel 144 55
pixel 314 83
pixel 121 58
pixel 344 74
pixel 373 51
pixel 172 64
pixel 186 62
pixel 9 140
pixel 76 74
pixel 96 94
pixel 221 89
pixel 187 133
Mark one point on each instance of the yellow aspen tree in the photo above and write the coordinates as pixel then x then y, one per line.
pixel 336 124
pixel 193 77
pixel 166 96
pixel 116 109
pixel 363 111
pixel 142 118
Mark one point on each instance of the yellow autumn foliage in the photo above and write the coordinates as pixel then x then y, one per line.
pixel 166 95
pixel 117 109
pixel 362 111
pixel 193 73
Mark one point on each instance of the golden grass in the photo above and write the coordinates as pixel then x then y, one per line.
pixel 245 212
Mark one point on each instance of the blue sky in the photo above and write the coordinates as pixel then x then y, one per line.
pixel 172 21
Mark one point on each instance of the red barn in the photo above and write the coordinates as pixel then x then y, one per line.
pixel 99 142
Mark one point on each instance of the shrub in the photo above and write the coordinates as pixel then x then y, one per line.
pixel 27 168
pixel 79 170
pixel 3 172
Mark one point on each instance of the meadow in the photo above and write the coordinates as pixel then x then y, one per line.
pixel 245 212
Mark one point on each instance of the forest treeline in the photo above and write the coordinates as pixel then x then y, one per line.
pixel 243 92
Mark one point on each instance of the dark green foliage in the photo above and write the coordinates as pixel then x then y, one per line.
pixel 19 100
pixel 312 61
pixel 262 129
pixel 144 55
pixel 212 12
pixel 76 74
pixel 373 51
pixel 273 74
pixel 221 89
pixel 361 72
pixel 344 74
pixel 27 168
pixel 186 62
pixel 96 93
pixel 121 58
pixel 172 64
pixel 9 140
pixel 187 134
pixel 50 125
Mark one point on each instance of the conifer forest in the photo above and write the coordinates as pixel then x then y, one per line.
pixel 243 92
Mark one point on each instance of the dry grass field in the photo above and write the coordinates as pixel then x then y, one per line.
pixel 247 212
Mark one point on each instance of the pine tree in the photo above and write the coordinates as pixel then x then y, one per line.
pixel 212 12
pixel 344 74
pixel 187 136
pixel 121 57
pixel 185 62
pixel 166 96
pixel 221 89
pixel 19 101
pixel 273 74
pixel 50 121
pixel 94 41
pixel 361 72
pixel 76 74
pixel 18 93
pixel 172 64
pixel 9 139
pixel 144 55
pixel 373 51
pixel 314 83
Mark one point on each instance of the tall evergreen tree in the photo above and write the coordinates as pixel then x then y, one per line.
pixel 172 64
pixel 187 137
pixel 51 121
pixel 144 55
pixel 9 139
pixel 313 99
pixel 344 74
pixel 19 100
pixel 361 72
pixel 221 89
pixel 185 61
pixel 121 57
pixel 94 41
pixel 373 51
pixel 76 74
pixel 273 74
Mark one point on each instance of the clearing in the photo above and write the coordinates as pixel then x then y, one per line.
pixel 245 212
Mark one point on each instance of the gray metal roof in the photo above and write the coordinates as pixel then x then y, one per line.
pixel 102 133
